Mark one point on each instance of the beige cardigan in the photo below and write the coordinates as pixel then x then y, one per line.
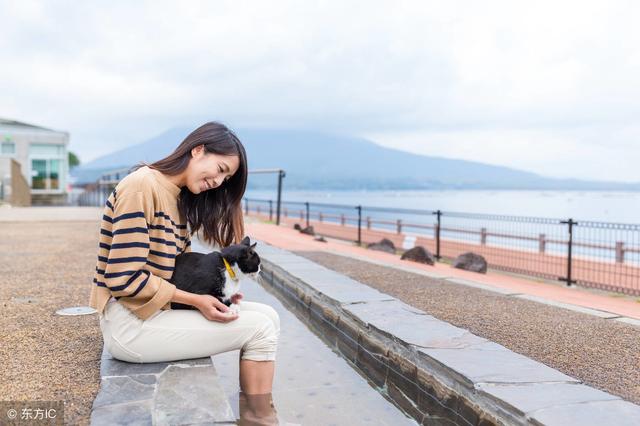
pixel 141 233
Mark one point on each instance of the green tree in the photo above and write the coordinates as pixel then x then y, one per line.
pixel 73 160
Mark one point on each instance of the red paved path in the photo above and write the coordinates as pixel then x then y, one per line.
pixel 290 239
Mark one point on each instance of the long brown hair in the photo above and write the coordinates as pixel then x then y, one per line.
pixel 217 212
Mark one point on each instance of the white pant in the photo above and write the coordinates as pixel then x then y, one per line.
pixel 171 335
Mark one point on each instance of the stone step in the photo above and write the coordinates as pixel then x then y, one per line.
pixel 165 393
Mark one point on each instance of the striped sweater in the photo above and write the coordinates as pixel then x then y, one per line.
pixel 141 234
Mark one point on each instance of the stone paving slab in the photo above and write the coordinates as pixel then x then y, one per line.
pixel 163 393
pixel 493 363
pixel 407 324
pixel 339 288
pixel 594 413
pixel 529 397
pixel 483 375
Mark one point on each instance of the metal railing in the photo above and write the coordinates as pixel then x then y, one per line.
pixel 97 193
pixel 593 254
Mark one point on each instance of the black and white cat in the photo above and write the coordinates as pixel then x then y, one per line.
pixel 216 273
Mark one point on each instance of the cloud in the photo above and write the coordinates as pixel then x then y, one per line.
pixel 549 86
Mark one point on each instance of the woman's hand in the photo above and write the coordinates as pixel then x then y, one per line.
pixel 235 299
pixel 213 309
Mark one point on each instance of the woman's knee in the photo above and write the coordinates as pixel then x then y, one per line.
pixel 263 344
pixel 274 316
pixel 267 310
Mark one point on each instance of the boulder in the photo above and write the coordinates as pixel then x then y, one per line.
pixel 471 262
pixel 308 231
pixel 320 238
pixel 384 244
pixel 297 227
pixel 419 254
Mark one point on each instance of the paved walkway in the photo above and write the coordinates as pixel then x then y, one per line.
pixel 49 214
pixel 290 239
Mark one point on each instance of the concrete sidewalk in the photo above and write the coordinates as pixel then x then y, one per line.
pixel 50 214
pixel 538 290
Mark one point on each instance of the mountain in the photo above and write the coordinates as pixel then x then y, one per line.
pixel 314 160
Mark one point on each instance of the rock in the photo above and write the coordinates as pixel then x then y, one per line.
pixel 419 254
pixel 297 227
pixel 320 238
pixel 471 262
pixel 384 244
pixel 308 230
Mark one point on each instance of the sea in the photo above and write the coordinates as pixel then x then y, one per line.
pixel 600 206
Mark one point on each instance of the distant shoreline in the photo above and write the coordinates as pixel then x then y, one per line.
pixel 475 189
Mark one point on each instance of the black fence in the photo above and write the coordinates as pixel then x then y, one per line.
pixel 588 253
pixel 592 254
pixel 97 193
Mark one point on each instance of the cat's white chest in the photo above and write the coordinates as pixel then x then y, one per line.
pixel 231 286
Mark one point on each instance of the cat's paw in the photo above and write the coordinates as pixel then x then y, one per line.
pixel 234 308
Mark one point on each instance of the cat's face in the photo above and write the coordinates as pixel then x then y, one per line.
pixel 248 260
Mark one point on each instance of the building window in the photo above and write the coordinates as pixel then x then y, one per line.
pixel 8 148
pixel 47 165
pixel 45 174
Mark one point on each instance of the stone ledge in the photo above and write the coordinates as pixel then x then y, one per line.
pixel 433 370
pixel 164 393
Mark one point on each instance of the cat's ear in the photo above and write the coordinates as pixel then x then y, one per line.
pixel 245 241
pixel 253 245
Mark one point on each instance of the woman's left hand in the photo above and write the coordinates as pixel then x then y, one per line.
pixel 236 298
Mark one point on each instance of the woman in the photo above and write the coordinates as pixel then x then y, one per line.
pixel 147 222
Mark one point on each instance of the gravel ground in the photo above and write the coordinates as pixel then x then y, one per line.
pixel 43 356
pixel 602 353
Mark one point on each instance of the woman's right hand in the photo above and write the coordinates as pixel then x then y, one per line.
pixel 213 309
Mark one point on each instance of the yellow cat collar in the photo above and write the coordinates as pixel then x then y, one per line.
pixel 229 270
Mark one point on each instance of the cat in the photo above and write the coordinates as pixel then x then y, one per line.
pixel 207 273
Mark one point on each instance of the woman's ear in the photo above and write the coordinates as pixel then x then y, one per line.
pixel 197 151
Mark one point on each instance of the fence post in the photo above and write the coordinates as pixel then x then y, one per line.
pixel 399 226
pixel 483 236
pixel 359 208
pixel 246 207
pixel 281 175
pixel 619 252
pixel 568 279
pixel 270 210
pixel 306 206
pixel 320 216
pixel 438 214
pixel 542 243
pixel 368 222
pixel 342 219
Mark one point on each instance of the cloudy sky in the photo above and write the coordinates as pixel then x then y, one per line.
pixel 547 86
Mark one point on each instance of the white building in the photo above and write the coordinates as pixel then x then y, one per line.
pixel 42 156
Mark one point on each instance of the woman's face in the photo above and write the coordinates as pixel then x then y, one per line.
pixel 208 171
